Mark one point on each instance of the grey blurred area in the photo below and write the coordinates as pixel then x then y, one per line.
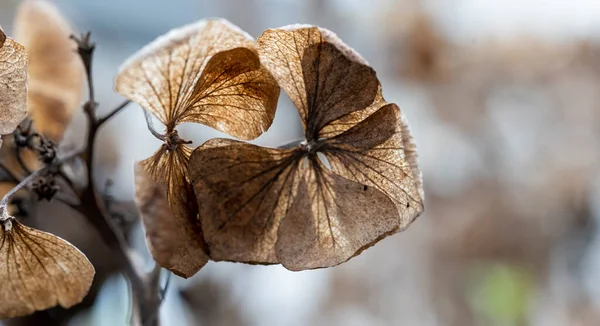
pixel 503 100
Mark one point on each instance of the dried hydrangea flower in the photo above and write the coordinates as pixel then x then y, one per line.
pixel 208 72
pixel 354 181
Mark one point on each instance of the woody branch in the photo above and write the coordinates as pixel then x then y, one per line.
pixel 91 205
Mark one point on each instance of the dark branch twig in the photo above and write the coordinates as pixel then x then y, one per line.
pixel 152 282
pixel 118 109
pixel 93 206
pixel 85 48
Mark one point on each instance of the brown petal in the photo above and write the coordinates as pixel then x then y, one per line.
pixel 166 78
pixel 169 212
pixel 243 191
pixel 55 70
pixel 38 271
pixel 326 80
pixel 346 122
pixel 235 94
pixel 13 84
pixel 332 220
pixel 379 152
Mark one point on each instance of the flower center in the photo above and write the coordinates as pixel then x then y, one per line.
pixel 310 147
pixel 313 149
pixel 172 140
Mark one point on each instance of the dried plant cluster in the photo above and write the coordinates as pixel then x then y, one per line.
pixel 352 181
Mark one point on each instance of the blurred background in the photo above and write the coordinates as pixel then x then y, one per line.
pixel 503 98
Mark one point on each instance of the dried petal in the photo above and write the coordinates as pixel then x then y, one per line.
pixel 13 84
pixel 373 153
pixel 332 220
pixel 39 270
pixel 235 95
pixel 329 83
pixel 207 72
pixel 243 191
pixel 56 73
pixel 169 212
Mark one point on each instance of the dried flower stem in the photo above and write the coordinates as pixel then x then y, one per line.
pixel 150 126
pixel 93 206
pixel 118 109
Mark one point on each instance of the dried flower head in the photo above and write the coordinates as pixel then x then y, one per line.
pixel 55 69
pixel 13 84
pixel 38 270
pixel 353 181
pixel 209 73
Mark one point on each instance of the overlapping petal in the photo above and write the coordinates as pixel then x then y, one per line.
pixel 174 239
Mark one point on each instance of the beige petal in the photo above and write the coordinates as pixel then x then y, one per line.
pixel 169 212
pixel 207 72
pixel 235 94
pixel 330 84
pixel 332 220
pixel 373 153
pixel 243 191
pixel 56 74
pixel 13 84
pixel 39 270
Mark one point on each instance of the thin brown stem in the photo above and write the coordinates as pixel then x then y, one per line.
pixel 118 109
pixel 94 207
pixel 152 296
